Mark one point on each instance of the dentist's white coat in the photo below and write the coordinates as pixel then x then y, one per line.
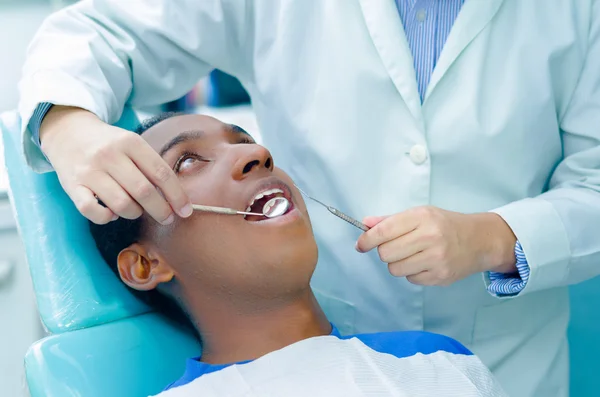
pixel 512 110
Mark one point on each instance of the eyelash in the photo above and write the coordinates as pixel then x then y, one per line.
pixel 246 140
pixel 184 156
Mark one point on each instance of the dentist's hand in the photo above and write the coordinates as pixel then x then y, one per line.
pixel 431 246
pixel 93 159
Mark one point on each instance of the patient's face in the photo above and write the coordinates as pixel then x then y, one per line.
pixel 220 165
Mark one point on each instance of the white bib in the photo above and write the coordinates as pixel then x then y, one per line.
pixel 331 367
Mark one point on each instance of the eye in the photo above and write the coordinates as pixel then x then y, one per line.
pixel 188 161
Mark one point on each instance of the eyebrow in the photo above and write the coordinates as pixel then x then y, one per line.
pixel 179 139
pixel 187 136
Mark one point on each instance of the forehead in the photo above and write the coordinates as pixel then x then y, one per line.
pixel 163 132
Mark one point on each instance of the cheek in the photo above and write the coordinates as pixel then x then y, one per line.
pixel 209 245
pixel 206 186
pixel 198 194
pixel 223 253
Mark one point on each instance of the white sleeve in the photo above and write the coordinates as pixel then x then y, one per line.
pixel 99 55
pixel 560 229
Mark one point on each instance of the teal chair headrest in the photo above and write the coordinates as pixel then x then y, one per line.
pixel 74 287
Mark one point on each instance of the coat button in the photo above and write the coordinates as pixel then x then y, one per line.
pixel 418 154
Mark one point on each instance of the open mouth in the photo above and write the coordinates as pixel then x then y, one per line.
pixel 258 202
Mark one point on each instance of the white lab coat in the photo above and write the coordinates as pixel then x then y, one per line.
pixel 512 110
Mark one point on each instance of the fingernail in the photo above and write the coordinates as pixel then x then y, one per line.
pixel 186 210
pixel 356 247
pixel 169 220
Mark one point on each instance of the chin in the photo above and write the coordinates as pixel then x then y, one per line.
pixel 301 258
pixel 305 251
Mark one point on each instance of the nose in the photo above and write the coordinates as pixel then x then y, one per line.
pixel 251 158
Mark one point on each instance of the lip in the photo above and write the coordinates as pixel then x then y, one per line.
pixel 292 215
pixel 274 183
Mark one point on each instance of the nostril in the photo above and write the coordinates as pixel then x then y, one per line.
pixel 248 167
pixel 268 163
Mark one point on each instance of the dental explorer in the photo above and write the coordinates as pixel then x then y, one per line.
pixel 337 212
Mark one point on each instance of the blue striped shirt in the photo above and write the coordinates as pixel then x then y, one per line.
pixel 427 24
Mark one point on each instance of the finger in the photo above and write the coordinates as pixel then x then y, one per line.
pixel 162 176
pixel 371 221
pixel 388 229
pixel 402 247
pixel 423 278
pixel 114 197
pixel 88 205
pixel 410 266
pixel 142 190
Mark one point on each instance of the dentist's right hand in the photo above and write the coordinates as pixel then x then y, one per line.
pixel 94 160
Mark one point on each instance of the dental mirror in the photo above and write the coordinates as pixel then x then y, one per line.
pixel 277 206
pixel 273 208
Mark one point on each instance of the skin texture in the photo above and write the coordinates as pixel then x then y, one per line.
pixel 244 284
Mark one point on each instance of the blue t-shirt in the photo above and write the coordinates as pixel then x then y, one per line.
pixel 399 344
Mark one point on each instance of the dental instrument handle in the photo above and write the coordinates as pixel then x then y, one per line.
pixel 348 219
pixel 337 212
pixel 222 210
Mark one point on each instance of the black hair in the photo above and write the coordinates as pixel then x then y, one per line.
pixel 152 121
pixel 117 235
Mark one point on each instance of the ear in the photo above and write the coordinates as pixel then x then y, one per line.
pixel 142 270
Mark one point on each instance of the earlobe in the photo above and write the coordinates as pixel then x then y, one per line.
pixel 139 270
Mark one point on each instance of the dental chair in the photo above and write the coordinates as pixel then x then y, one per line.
pixel 103 342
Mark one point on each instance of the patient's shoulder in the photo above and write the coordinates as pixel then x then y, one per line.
pixel 409 343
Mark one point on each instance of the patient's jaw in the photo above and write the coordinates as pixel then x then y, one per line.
pixel 212 257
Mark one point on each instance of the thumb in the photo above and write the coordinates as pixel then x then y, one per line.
pixel 371 221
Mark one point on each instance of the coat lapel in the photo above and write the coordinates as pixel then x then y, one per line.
pixel 474 16
pixel 385 27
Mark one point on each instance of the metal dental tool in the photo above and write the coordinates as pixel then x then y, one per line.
pixel 275 207
pixel 337 212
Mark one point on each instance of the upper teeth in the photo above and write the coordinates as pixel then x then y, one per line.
pixel 261 195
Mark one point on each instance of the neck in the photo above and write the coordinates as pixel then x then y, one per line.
pixel 230 336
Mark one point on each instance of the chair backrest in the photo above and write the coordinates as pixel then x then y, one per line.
pixel 106 342
pixel 133 357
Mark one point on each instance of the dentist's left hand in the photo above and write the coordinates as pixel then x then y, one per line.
pixel 431 246
pixel 94 160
